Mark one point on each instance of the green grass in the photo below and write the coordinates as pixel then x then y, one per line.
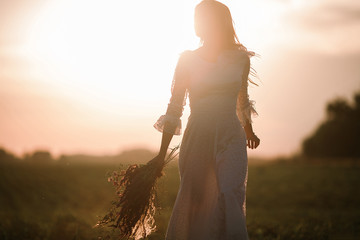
pixel 285 200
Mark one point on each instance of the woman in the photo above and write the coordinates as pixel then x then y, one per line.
pixel 213 160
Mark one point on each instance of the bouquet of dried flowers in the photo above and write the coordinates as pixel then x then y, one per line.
pixel 134 209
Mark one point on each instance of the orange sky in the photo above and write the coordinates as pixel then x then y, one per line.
pixel 93 77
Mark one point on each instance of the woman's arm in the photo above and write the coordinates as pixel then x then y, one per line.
pixel 252 140
pixel 170 123
pixel 165 142
pixel 248 129
pixel 245 109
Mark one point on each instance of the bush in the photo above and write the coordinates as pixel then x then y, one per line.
pixel 337 137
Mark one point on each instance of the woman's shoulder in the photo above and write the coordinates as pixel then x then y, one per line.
pixel 185 55
pixel 240 53
pixel 235 56
pixel 232 54
pixel 186 58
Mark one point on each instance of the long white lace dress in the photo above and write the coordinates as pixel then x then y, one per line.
pixel 213 161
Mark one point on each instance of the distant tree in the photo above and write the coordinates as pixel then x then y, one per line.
pixel 339 135
pixel 63 159
pixel 6 157
pixel 135 156
pixel 40 157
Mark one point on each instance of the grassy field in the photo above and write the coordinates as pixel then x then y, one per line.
pixel 285 200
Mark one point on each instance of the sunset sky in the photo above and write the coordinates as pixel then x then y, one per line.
pixel 84 76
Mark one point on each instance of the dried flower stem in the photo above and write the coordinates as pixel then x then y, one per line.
pixel 133 211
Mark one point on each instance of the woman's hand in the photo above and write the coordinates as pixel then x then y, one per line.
pixel 160 158
pixel 252 141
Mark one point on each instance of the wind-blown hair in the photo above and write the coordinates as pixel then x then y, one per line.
pixel 211 18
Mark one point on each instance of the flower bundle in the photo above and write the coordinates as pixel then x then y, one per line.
pixel 134 209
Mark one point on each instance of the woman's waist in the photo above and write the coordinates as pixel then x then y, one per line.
pixel 213 113
pixel 223 119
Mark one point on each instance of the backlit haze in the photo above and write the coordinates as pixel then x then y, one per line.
pixel 83 76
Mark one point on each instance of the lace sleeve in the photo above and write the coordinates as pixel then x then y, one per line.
pixel 245 107
pixel 177 101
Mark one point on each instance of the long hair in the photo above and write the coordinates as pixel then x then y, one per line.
pixel 212 17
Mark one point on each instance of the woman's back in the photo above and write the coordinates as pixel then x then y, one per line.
pixel 213 158
pixel 214 86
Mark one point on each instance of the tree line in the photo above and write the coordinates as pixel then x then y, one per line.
pixel 339 135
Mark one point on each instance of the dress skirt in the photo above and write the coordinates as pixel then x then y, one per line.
pixel 213 162
pixel 213 166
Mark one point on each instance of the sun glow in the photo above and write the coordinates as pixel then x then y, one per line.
pixel 105 50
pixel 114 61
pixel 105 68
pixel 109 49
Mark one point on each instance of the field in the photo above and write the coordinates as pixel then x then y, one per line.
pixel 285 200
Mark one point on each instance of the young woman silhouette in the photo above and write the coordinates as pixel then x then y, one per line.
pixel 213 158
